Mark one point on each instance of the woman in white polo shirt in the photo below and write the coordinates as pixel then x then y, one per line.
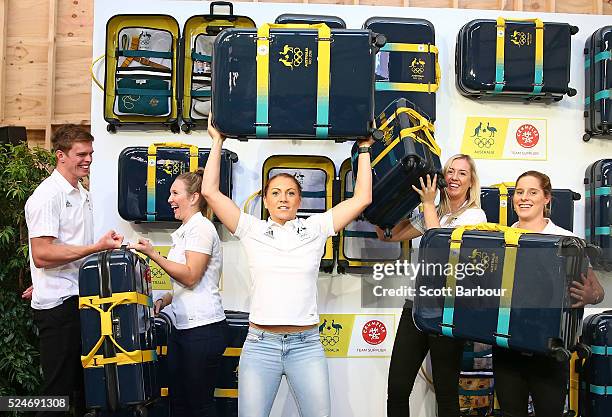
pixel 519 375
pixel 284 254
pixel 194 263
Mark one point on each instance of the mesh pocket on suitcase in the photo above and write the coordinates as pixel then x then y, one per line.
pixel 201 56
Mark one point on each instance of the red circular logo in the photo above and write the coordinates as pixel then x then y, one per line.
pixel 374 332
pixel 527 136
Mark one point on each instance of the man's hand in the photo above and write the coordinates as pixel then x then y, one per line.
pixel 110 240
pixel 27 294
pixel 589 291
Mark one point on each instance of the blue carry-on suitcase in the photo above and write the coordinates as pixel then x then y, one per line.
pixel 595 398
pixel 517 295
pixel 496 201
pixel 226 391
pixel 147 173
pixel 598 210
pixel 598 84
pixel 407 152
pixel 291 81
pixel 514 59
pixel 117 332
pixel 407 66
pixel 163 328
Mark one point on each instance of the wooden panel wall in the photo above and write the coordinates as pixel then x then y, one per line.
pixel 47 51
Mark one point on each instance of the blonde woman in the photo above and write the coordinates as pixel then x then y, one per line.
pixel 459 205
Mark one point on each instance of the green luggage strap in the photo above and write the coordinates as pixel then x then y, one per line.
pixel 600 389
pixel 201 57
pixel 263 76
pixel 602 56
pixel 137 53
pixel 424 126
pixel 601 350
pixel 123 357
pixel 538 78
pixel 503 201
pixel 152 171
pixel 600 95
pixel 511 238
pixel 476 393
pixel 417 87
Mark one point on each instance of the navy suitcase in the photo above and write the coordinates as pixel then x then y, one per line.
pixel 598 84
pixel 407 152
pixel 598 210
pixel 163 328
pixel 290 81
pixel 147 173
pixel 514 59
pixel 596 372
pixel 117 332
pixel 533 272
pixel 407 66
pixel 334 22
pixel 226 391
pixel 496 201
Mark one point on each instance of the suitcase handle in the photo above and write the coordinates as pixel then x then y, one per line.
pixel 221 4
pixel 490 227
pixel 501 22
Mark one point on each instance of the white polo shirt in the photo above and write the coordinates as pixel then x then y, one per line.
pixel 474 215
pixel 59 210
pixel 284 263
pixel 552 229
pixel 200 304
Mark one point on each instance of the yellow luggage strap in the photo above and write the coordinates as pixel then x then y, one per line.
pixel 538 78
pixel 511 239
pixel 418 87
pixel 152 171
pixel 503 201
pixel 424 125
pixel 91 360
pixel 263 76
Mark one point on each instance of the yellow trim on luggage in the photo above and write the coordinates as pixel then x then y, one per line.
pixel 113 27
pixel 226 393
pixel 195 26
pixel 232 351
pixel 417 48
pixel 106 329
pixel 503 201
pixel 163 392
pixel 162 350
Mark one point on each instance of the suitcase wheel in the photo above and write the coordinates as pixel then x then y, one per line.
pixel 379 40
pixel 140 411
pixel 340 269
pixel 387 233
pixel 174 127
pixel 571 92
pixel 561 354
pixel 111 128
pixel 583 351
pixel 376 134
pixel 185 128
pixel 92 413
pixel 574 30
pixel 586 137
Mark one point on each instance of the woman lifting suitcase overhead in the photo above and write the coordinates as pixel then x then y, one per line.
pixel 284 254
pixel 459 205
pixel 194 263
pixel 517 375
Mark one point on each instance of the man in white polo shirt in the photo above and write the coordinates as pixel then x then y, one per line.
pixel 60 228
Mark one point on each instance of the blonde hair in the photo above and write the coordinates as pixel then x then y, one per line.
pixel 193 184
pixel 473 192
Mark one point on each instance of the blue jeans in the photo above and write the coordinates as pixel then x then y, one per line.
pixel 267 356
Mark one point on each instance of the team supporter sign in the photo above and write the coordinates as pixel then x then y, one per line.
pixel 357 335
pixel 505 138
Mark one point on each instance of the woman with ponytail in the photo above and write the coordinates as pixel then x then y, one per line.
pixel 194 263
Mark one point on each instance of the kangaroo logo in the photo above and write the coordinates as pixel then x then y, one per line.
pixel 293 57
pixel 521 38
pixel 484 137
pixel 417 66
pixel 144 41
pixel 299 177
pixel 329 333
pixel 487 261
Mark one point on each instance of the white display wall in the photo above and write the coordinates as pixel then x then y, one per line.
pixel 358 384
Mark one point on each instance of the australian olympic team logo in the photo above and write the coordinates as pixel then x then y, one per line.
pixel 329 332
pixel 527 136
pixel 293 57
pixel 521 38
pixel 374 332
pixel 484 136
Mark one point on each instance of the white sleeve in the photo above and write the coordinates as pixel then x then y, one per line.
pixel 470 217
pixel 325 223
pixel 43 217
pixel 245 224
pixel 201 238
